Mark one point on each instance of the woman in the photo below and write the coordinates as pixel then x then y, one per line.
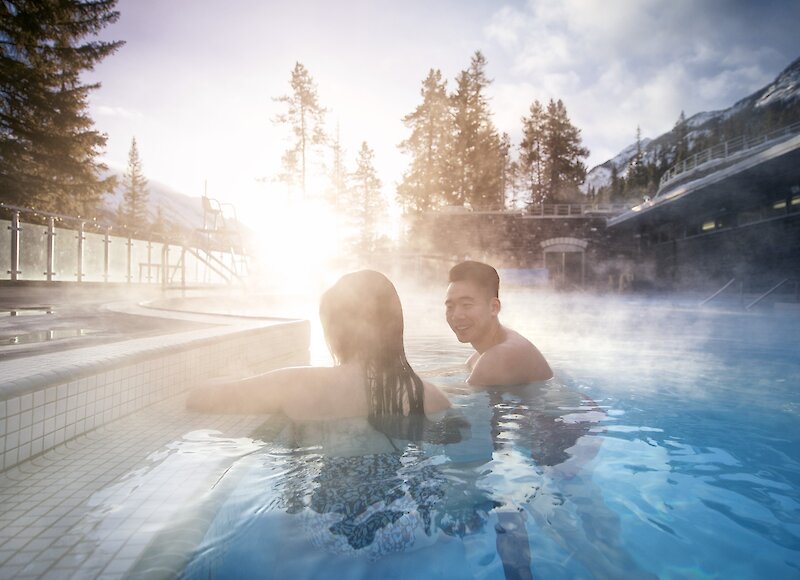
pixel 362 319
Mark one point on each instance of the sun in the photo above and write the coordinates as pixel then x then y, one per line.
pixel 299 243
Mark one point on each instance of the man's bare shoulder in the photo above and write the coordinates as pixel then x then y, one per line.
pixel 513 361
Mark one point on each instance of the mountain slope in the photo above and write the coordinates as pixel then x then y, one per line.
pixel 774 105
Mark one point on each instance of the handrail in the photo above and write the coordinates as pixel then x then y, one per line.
pixel 724 150
pixel 767 293
pixel 222 270
pixel 573 209
pixel 718 292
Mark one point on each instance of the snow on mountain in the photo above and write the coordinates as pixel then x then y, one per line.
pixel 786 87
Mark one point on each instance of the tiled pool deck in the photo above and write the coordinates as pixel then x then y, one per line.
pixel 98 451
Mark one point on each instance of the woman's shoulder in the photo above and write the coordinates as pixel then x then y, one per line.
pixel 434 399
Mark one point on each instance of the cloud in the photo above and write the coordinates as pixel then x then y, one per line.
pixel 618 64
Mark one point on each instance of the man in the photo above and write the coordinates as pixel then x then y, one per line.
pixel 502 356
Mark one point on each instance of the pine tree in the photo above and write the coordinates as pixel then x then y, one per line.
pixel 48 147
pixel 428 183
pixel 564 168
pixel 532 153
pixel 617 185
pixel 367 205
pixel 305 118
pixel 508 174
pixel 681 138
pixel 133 211
pixel 477 160
pixel 338 176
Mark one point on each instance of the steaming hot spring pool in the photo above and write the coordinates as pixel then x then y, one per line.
pixel 668 445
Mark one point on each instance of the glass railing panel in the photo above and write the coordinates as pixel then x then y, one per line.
pixel 118 259
pixel 33 252
pixel 5 249
pixel 66 255
pixel 142 262
pixel 94 248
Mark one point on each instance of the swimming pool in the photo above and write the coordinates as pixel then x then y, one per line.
pixel 667 446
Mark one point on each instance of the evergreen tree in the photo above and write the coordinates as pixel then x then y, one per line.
pixel 508 174
pixel 428 184
pixel 617 185
pixel 681 138
pixel 133 211
pixel 338 175
pixel 478 164
pixel 305 118
pixel 637 177
pixel 564 168
pixel 532 153
pixel 367 205
pixel 48 147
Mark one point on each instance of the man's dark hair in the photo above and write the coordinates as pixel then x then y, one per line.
pixel 479 273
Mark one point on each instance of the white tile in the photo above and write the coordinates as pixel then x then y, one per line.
pixel 10 458
pixel 24 451
pixel 38 414
pixel 49 425
pixel 62 391
pixel 50 410
pixel 12 423
pixel 51 394
pixel 25 435
pixel 26 418
pixel 12 406
pixel 26 402
pixel 12 440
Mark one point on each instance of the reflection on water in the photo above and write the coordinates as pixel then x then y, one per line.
pixel 43 335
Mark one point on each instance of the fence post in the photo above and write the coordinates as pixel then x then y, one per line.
pixel 51 249
pixel 149 260
pixel 106 253
pixel 15 229
pixel 81 238
pixel 164 264
pixel 129 243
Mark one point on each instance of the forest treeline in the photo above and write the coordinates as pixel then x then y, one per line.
pixel 50 150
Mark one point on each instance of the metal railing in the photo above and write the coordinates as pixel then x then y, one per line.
pixel 42 246
pixel 575 209
pixel 725 151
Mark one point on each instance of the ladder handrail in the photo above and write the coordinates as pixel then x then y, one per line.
pixel 767 293
pixel 718 292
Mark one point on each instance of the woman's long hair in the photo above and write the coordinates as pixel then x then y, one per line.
pixel 363 321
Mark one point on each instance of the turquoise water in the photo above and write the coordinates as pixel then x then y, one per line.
pixel 667 446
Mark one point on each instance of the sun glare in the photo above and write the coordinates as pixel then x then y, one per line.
pixel 299 245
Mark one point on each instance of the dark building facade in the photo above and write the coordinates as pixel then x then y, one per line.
pixel 738 221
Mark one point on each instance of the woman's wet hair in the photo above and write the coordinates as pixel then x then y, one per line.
pixel 362 319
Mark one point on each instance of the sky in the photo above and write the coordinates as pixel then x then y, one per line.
pixel 196 80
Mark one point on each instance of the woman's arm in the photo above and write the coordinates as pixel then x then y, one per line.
pixel 266 393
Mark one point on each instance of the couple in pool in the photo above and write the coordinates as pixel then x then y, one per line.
pixel 362 320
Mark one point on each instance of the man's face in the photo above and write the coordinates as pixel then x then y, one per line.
pixel 471 311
